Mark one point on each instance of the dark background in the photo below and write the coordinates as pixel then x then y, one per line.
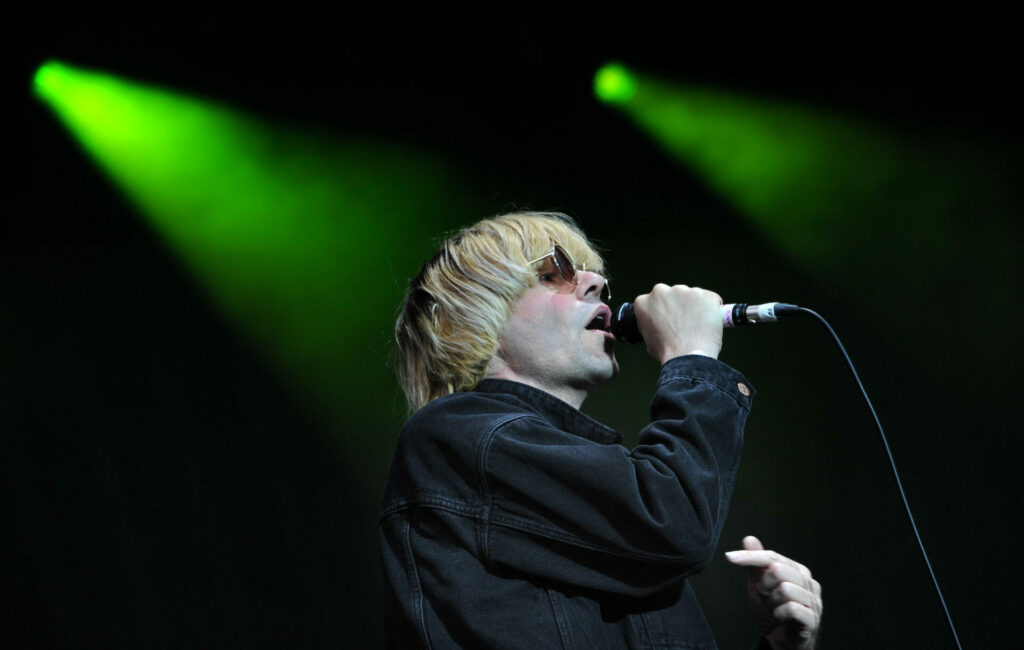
pixel 164 487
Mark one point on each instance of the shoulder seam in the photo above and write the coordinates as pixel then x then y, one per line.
pixel 483 545
pixel 417 605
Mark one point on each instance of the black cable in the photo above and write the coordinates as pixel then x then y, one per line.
pixel 895 473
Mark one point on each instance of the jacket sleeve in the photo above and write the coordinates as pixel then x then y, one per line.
pixel 599 516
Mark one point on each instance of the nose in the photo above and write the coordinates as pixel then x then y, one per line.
pixel 592 283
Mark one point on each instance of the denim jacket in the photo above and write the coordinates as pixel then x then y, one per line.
pixel 513 520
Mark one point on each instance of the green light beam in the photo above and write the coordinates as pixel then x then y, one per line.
pixel 298 237
pixel 887 217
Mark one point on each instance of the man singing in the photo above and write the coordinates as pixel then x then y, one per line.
pixel 513 520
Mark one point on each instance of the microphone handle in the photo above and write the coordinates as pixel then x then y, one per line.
pixel 624 325
pixel 740 313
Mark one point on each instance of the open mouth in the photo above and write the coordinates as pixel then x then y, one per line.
pixel 602 321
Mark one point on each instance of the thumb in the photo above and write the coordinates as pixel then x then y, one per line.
pixel 751 543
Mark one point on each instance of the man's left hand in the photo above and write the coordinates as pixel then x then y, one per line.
pixel 785 598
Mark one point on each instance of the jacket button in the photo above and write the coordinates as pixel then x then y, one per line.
pixel 743 389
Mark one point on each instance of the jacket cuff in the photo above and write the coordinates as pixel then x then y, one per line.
pixel 706 369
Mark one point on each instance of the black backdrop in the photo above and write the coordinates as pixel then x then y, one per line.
pixel 162 488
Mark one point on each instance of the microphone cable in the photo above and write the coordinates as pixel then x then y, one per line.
pixel 892 463
pixel 625 328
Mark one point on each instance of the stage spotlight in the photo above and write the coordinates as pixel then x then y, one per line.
pixel 614 84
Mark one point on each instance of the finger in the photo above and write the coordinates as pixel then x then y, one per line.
pixel 779 572
pixel 768 569
pixel 816 604
pixel 755 561
pixel 796 615
pixel 761 558
pixel 789 592
pixel 775 575
pixel 751 543
pixel 804 571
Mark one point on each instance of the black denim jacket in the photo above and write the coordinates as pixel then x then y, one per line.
pixel 513 520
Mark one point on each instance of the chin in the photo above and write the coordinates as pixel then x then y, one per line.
pixel 609 372
pixel 610 350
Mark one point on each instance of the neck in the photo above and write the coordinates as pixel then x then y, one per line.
pixel 571 396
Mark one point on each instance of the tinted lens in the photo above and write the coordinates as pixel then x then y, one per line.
pixel 565 265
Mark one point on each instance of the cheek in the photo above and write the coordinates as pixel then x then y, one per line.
pixel 536 337
pixel 538 328
pixel 536 341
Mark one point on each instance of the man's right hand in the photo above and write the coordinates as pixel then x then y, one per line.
pixel 785 597
pixel 680 320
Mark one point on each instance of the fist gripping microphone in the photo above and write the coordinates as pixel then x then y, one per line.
pixel 733 315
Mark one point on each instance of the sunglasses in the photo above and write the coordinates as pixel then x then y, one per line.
pixel 558 273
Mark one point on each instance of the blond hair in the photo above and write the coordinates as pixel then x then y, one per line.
pixel 456 307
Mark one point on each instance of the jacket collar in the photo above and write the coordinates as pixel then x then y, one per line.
pixel 552 409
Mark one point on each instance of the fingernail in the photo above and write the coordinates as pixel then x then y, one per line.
pixel 729 554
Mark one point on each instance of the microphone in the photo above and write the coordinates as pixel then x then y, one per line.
pixel 624 325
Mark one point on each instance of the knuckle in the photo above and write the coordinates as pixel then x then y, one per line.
pixel 710 295
pixel 786 610
pixel 782 593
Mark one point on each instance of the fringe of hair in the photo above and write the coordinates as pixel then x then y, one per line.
pixel 456 307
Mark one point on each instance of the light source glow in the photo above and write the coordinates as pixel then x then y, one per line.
pixel 614 83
